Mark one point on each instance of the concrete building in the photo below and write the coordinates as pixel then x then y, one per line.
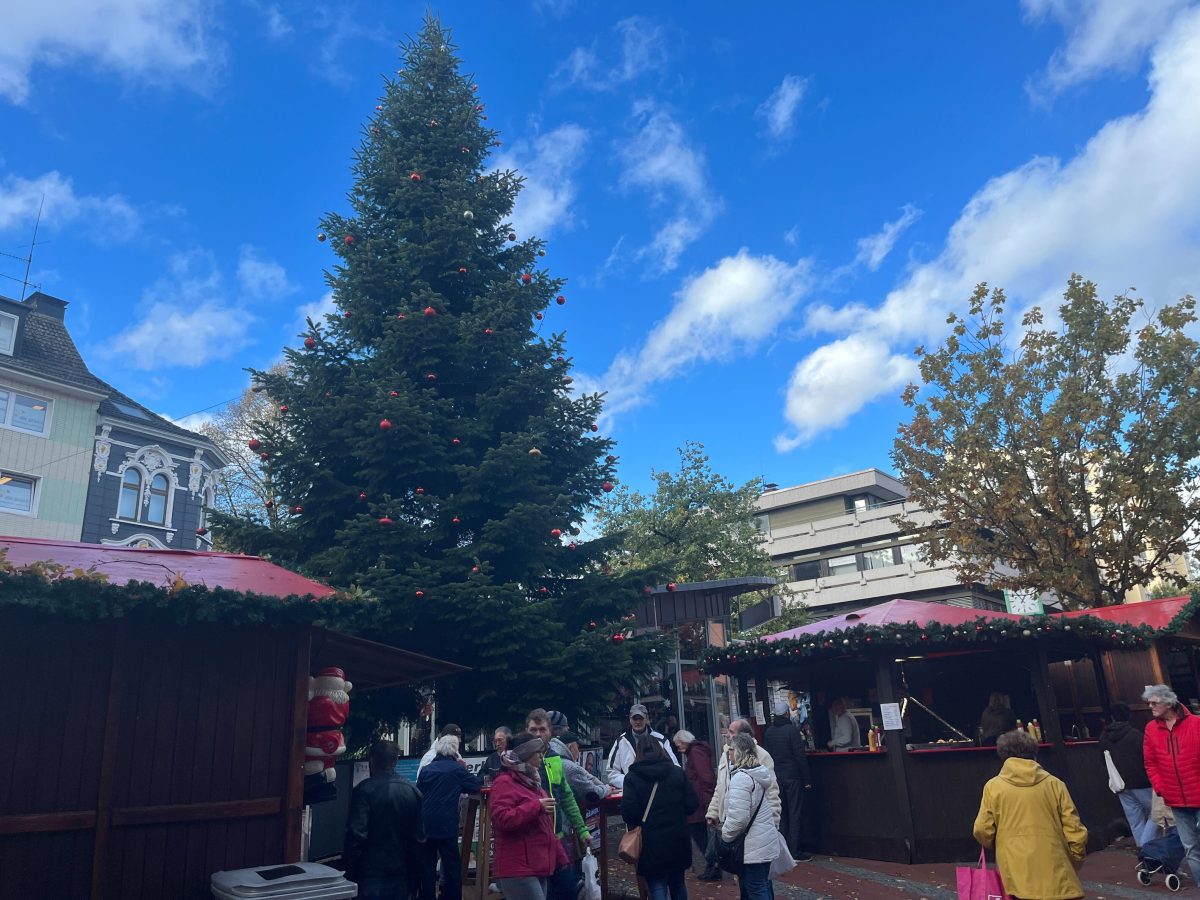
pixel 81 461
pixel 841 551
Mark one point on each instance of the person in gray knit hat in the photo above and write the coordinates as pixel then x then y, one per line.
pixel 587 787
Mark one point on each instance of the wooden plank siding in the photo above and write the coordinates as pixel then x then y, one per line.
pixel 146 757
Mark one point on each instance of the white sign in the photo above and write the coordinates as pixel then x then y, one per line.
pixel 890 713
pixel 759 716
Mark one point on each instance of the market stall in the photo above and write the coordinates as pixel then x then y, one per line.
pixel 923 673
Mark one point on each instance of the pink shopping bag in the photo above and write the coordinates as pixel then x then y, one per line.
pixel 979 882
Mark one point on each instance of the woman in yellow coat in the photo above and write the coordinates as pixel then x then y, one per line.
pixel 1028 816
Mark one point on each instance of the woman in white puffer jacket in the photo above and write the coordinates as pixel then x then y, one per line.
pixel 748 786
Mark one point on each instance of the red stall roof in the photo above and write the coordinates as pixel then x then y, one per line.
pixel 893 612
pixel 248 574
pixel 1158 614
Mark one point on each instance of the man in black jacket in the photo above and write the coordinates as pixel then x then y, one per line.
pixel 384 830
pixel 1124 743
pixel 786 746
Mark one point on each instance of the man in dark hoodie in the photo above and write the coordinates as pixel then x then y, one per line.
pixel 1124 742
pixel 786 746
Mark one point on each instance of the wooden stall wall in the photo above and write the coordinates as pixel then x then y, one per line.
pixel 146 757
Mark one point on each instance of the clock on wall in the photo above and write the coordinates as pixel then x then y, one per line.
pixel 1024 603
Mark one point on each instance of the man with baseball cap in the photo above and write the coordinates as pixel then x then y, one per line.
pixel 622 755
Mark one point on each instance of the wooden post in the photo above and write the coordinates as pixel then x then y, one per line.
pixel 1043 692
pixel 885 688
pixel 293 807
pixel 108 757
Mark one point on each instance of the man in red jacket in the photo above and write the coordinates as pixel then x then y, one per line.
pixel 1172 752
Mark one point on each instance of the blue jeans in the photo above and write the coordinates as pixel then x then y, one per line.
pixel 563 884
pixel 755 882
pixel 1137 803
pixel 667 887
pixel 383 887
pixel 445 849
pixel 1187 821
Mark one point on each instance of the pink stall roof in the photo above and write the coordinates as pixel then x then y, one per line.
pixel 247 574
pixel 893 612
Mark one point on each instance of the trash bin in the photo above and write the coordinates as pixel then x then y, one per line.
pixel 293 881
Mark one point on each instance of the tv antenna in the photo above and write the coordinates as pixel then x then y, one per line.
pixel 28 258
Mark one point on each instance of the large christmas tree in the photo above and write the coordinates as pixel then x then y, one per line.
pixel 430 451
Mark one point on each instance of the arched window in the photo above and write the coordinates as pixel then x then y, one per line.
pixel 131 495
pixel 156 512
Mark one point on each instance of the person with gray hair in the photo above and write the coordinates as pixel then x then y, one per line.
pixel 441 783
pixel 747 814
pixel 491 766
pixel 1028 816
pixel 697 760
pixel 715 814
pixel 1171 749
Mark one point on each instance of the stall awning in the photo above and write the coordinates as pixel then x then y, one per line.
pixel 375 665
pixel 233 571
pixel 893 612
pixel 695 601
pixel 1156 614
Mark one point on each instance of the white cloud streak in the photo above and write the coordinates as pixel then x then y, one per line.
pixel 779 111
pixel 1124 211
pixel 642 48
pixel 152 41
pixel 728 310
pixel 261 278
pixel 106 219
pixel 874 249
pixel 1102 35
pixel 661 162
pixel 549 165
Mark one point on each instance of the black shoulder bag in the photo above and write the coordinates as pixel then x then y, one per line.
pixel 731 855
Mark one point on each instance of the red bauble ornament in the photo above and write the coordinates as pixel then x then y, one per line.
pixel 572 545
pixel 429 312
pixel 512 235
pixel 348 240
pixel 466 149
pixel 610 459
pixel 419 491
pixel 595 427
pixel 264 456
pixel 541 253
pixel 539 317
pixel 574 530
pixel 670 586
pixel 420 595
pixel 455 521
pixel 607 487
pixel 462 270
pixel 309 343
pixel 592 625
pixel 474 570
pixel 362 496
pixel 431 376
pixel 488 332
pixel 283 409
pixel 526 278
pixel 202 531
pixel 647 591
pixel 346 314
pixel 386 521
pixel 384 424
pixel 555 533
pixel 560 300
pixel 393 393
pixel 378 109
pixel 618 638
pixel 254 443
pixel 414 177
pixel 543 591
pixel 270 504
pixel 297 509
pixel 456 442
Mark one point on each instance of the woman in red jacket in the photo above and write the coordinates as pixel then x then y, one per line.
pixel 1171 749
pixel 527 853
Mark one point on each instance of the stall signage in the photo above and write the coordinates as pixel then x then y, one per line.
pixel 890 713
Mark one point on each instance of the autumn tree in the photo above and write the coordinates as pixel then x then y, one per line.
pixel 1062 458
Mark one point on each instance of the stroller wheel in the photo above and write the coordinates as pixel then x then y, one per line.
pixel 1143 876
pixel 1172 882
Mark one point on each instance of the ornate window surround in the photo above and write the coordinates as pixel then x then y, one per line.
pixel 150 461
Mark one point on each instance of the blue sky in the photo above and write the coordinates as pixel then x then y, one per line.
pixel 761 212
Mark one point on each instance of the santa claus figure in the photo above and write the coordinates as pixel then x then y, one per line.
pixel 328 706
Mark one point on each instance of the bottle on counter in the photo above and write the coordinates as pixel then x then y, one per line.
pixel 871 740
pixel 1035 728
pixel 879 736
pixel 1020 727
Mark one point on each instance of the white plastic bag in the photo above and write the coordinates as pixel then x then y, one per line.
pixel 591 877
pixel 783 862
pixel 1116 783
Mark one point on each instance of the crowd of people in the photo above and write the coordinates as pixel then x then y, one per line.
pixel 673 789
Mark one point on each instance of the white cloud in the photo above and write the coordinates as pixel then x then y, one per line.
pixel 727 310
pixel 186 320
pixel 549 165
pixel 779 110
pixel 192 421
pixel 317 311
pixel 791 237
pixel 661 161
pixel 278 27
pixel 261 278
pixel 108 219
pixel 1101 35
pixel 1124 211
pixel 147 40
pixel 873 249
pixel 643 48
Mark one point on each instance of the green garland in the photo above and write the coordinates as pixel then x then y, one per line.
pixel 982 631
pixel 94 599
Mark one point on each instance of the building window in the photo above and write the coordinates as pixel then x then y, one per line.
pixel 911 553
pixel 24 412
pixel 877 559
pixel 8 333
pixel 806 571
pixel 17 493
pixel 131 495
pixel 156 512
pixel 841 565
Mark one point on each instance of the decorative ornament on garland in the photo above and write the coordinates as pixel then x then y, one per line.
pixel 283 408
pixel 556 533
pixel 393 393
pixel 595 427
pixel 309 343
pixel 572 545
pixel 457 442
pixel 420 595
pixel 618 638
pixel 254 443
pixel 202 531
pixel 592 626
pixel 671 586
pixel 539 316
pixel 647 591
pixel 431 376
pixel 348 240
pixel 526 278
pixel 467 214
pixel 560 300
pixel 297 509
pixel 385 425
pixel 456 521
pixel 512 235
pixel 386 520
pixel 462 270
pixel 535 452
pixel 543 591
pixel 419 491
pixel 541 253
pixel 269 504
pixel 264 456
pixel 429 312
pixel 610 459
pixel 488 332
pixel 607 487
pixel 321 237
pixel 362 496
pixel 415 177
